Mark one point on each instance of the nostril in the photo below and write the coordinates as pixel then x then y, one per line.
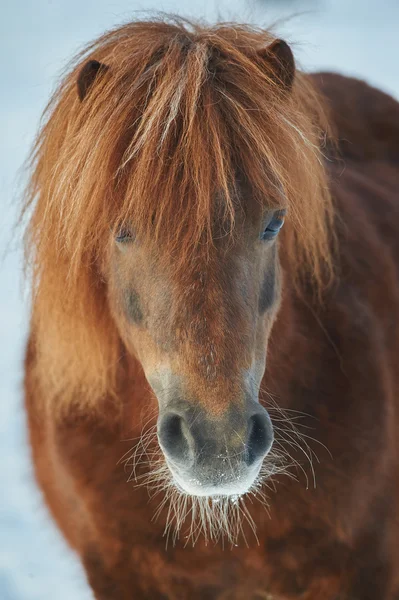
pixel 173 437
pixel 260 437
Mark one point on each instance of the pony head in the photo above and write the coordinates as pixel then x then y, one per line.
pixel 171 156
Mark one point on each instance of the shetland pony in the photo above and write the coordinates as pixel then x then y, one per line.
pixel 213 398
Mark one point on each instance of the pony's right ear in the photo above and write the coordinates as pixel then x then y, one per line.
pixel 87 75
pixel 281 60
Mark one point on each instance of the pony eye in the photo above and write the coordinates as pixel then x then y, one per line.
pixel 274 225
pixel 124 235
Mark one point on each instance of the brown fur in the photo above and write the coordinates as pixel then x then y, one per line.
pixel 334 362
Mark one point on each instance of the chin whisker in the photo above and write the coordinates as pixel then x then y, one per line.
pixel 224 518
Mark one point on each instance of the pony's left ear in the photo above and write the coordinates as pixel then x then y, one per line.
pixel 281 61
pixel 87 75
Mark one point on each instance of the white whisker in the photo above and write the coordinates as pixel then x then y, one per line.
pixel 220 518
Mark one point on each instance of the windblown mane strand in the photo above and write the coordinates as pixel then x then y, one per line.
pixel 157 144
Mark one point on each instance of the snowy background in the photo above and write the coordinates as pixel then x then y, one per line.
pixel 357 37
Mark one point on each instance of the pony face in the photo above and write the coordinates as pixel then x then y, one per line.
pixel 187 142
pixel 200 333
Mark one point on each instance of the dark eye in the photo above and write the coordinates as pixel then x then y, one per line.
pixel 274 225
pixel 124 235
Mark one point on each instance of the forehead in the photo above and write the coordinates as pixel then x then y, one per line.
pixel 228 222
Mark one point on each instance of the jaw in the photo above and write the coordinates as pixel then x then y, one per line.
pixel 194 511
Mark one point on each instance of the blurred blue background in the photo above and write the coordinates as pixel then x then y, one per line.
pixel 356 37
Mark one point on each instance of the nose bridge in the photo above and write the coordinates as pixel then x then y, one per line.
pixel 213 364
pixel 214 324
pixel 217 393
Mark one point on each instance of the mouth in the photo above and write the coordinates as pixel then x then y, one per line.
pixel 210 495
pixel 224 482
pixel 211 477
pixel 212 504
pixel 215 511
